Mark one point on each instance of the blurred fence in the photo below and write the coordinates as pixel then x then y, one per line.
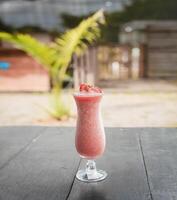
pixel 106 62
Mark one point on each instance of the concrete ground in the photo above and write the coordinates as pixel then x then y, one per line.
pixel 151 103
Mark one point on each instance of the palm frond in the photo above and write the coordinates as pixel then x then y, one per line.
pixel 38 50
pixel 77 40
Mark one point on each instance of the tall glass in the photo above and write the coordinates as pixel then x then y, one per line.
pixel 90 135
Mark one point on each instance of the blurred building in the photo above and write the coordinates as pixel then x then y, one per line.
pixel 147 49
pixel 157 41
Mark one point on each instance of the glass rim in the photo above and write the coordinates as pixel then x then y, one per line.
pixel 86 94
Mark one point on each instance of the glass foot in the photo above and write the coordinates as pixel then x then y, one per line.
pixel 98 176
pixel 91 174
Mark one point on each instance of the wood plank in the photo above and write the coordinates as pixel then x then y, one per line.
pixel 162 63
pixel 160 152
pixel 45 170
pixel 124 164
pixel 162 75
pixel 156 69
pixel 161 57
pixel 14 139
pixel 168 49
pixel 162 41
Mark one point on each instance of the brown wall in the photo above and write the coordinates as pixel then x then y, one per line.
pixel 24 74
pixel 162 53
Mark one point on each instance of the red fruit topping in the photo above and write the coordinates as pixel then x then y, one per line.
pixel 89 88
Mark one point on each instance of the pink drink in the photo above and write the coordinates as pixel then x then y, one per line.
pixel 90 136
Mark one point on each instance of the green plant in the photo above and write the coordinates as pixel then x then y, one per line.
pixel 58 108
pixel 57 56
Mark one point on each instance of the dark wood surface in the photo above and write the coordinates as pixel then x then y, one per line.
pixel 160 151
pixel 40 163
pixel 124 164
pixel 13 140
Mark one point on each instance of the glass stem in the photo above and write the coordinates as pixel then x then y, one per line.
pixel 91 169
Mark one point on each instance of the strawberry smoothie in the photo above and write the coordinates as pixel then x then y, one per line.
pixel 90 136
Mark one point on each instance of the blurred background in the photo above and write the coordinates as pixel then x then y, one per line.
pixel 134 61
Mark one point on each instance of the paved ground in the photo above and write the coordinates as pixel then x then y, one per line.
pixel 126 104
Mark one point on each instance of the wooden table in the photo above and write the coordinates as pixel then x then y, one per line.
pixel 40 163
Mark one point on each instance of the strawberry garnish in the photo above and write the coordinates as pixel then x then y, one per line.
pixel 89 88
